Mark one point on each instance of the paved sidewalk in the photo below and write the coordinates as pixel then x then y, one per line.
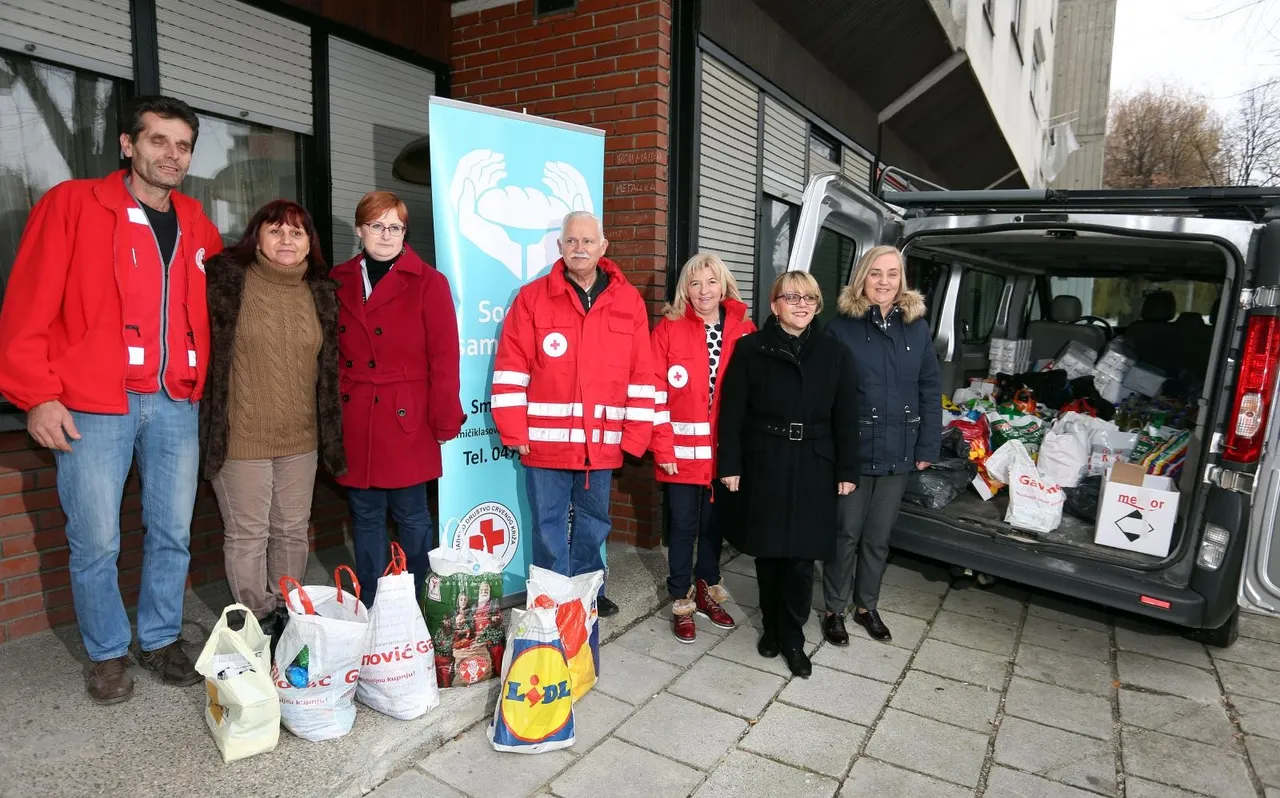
pixel 985 693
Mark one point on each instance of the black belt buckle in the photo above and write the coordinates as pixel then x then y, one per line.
pixel 795 431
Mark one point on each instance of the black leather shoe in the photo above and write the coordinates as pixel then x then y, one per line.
pixel 833 629
pixel 606 608
pixel 798 662
pixel 874 626
pixel 767 647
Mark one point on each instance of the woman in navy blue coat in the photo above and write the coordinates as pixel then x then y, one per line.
pixel 883 324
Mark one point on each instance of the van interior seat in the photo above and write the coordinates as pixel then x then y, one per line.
pixel 1157 340
pixel 1049 336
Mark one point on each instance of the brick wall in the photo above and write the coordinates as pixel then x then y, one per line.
pixel 35 586
pixel 607 65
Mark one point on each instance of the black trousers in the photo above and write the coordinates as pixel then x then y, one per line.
pixel 786 596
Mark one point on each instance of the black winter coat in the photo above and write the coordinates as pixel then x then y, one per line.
pixel 786 503
pixel 899 382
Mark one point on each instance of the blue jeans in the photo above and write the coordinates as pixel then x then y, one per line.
pixel 692 524
pixel 163 434
pixel 556 546
pixel 369 533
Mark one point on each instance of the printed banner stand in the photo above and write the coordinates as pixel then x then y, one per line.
pixel 501 183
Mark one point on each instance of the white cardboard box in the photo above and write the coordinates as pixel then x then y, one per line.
pixel 1137 511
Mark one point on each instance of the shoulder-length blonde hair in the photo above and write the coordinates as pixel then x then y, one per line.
pixel 853 297
pixel 676 308
pixel 799 281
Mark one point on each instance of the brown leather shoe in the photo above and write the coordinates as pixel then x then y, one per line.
pixel 172 663
pixel 109 681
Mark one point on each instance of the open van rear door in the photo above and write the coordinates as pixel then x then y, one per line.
pixel 834 202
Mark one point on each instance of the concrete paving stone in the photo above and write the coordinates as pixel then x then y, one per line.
pixel 918 576
pixel 1250 681
pixel 616 768
pixel 682 730
pixel 1057 755
pixel 744 589
pixel 863 656
pixel 812 629
pixel 1067 637
pixel 984 604
pixel 962 664
pixel 840 695
pixel 740 647
pixel 947 700
pixel 872 778
pixel 1181 763
pixel 928 746
pixel 1006 783
pixel 1061 608
pixel 1063 670
pixel 991 636
pixel 906 601
pixel 1247 651
pixel 1258 717
pixel 1159 641
pixel 1273 792
pixel 742 564
pixel 1050 705
pixel 470 764
pixel 653 637
pixel 595 716
pixel 414 784
pixel 1135 787
pixel 1165 676
pixel 1259 627
pixel 742 774
pixel 632 676
pixel 1265 756
pixel 907 631
pixel 728 686
pixel 805 739
pixel 1180 717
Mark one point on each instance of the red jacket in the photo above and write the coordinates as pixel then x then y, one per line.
pixel 398 361
pixel 576 387
pixel 62 331
pixel 684 426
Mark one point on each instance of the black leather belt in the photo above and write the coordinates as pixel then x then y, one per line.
pixel 793 430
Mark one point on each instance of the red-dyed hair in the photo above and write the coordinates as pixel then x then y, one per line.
pixel 376 203
pixel 281 211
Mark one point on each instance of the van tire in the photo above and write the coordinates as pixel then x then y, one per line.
pixel 1219 637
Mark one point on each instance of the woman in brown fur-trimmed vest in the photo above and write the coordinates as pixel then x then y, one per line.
pixel 271 407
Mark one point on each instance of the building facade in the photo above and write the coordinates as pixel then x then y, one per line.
pixel 1082 86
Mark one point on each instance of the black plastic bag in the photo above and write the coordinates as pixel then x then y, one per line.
pixel 1082 500
pixel 940 484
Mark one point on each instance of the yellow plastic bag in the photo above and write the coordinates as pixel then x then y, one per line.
pixel 574 601
pixel 535 709
pixel 242 707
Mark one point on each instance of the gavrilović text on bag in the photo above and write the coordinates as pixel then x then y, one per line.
pixel 398 673
pixel 574 600
pixel 317 662
pixel 535 706
pixel 242 710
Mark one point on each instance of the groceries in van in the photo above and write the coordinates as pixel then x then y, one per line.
pixel 1145 380
pixel 1008 356
pixel 1137 511
pixel 1009 423
pixel 1035 502
pixel 1076 359
pixel 1112 368
pixel 941 483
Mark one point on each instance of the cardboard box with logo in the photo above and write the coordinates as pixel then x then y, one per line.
pixel 1137 511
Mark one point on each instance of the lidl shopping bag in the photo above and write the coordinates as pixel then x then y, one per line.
pixel 535 708
pixel 463 607
pixel 398 672
pixel 243 710
pixel 317 662
pixel 574 600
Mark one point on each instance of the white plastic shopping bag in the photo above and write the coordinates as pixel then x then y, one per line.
pixel 574 600
pixel 1035 504
pixel 243 710
pixel 535 706
pixel 1064 454
pixel 317 663
pixel 398 673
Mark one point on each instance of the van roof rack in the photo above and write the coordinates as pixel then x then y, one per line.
pixel 1250 203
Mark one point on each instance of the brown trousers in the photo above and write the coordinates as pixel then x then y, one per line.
pixel 266 511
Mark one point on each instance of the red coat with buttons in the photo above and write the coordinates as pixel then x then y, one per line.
pixel 684 425
pixel 398 360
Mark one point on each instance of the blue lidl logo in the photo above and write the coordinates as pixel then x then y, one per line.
pixel 537 702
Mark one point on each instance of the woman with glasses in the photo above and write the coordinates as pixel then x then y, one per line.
pixel 882 325
pixel 788 447
pixel 398 364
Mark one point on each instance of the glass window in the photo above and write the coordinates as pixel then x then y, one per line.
pixel 239 167
pixel 823 145
pixel 927 277
pixel 775 248
pixel 1119 299
pixel 980 294
pixel 832 263
pixel 57 124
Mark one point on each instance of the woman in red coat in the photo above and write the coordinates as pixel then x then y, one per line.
pixel 398 376
pixel 691 347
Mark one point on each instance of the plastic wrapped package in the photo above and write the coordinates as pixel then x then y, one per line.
pixel 1082 500
pixel 1076 359
pixel 941 483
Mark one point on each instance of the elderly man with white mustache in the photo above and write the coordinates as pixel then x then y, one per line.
pixel 572 390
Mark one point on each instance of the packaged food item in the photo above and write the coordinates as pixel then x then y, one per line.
pixel 1076 359
pixel 1009 356
pixel 1145 380
pixel 398 672
pixel 1035 503
pixel 574 600
pixel 462 603
pixel 1011 424
pixel 242 708
pixel 534 713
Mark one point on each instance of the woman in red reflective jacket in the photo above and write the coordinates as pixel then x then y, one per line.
pixel 692 344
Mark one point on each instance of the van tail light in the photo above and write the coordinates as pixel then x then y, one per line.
pixel 1254 389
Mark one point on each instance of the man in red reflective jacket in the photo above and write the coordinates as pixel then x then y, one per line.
pixel 104 340
pixel 572 390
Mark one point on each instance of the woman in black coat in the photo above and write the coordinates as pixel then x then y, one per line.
pixel 788 446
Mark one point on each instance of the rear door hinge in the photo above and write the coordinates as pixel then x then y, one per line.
pixel 1228 479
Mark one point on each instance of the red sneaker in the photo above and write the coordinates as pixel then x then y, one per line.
pixel 708 600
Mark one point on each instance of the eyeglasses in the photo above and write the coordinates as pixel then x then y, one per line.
pixel 378 228
pixel 796 299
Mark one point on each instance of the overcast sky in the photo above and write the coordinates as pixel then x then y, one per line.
pixel 1216 47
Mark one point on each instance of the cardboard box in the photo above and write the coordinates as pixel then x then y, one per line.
pixel 1137 511
pixel 1145 380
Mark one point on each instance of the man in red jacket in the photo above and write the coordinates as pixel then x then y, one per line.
pixel 572 390
pixel 104 340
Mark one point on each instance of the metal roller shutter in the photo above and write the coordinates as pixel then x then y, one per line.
pixel 231 59
pixel 857 168
pixel 727 157
pixel 377 105
pixel 784 150
pixel 818 164
pixel 90 34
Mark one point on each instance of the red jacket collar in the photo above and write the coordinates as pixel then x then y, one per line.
pixel 112 192
pixel 559 283
pixel 407 262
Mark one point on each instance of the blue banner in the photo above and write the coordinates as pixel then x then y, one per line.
pixel 501 183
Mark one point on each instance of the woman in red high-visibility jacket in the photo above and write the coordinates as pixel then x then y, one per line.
pixel 692 344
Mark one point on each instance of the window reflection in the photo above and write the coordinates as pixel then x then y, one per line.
pixel 237 168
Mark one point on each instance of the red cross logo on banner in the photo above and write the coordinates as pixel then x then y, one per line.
pixel 489 538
